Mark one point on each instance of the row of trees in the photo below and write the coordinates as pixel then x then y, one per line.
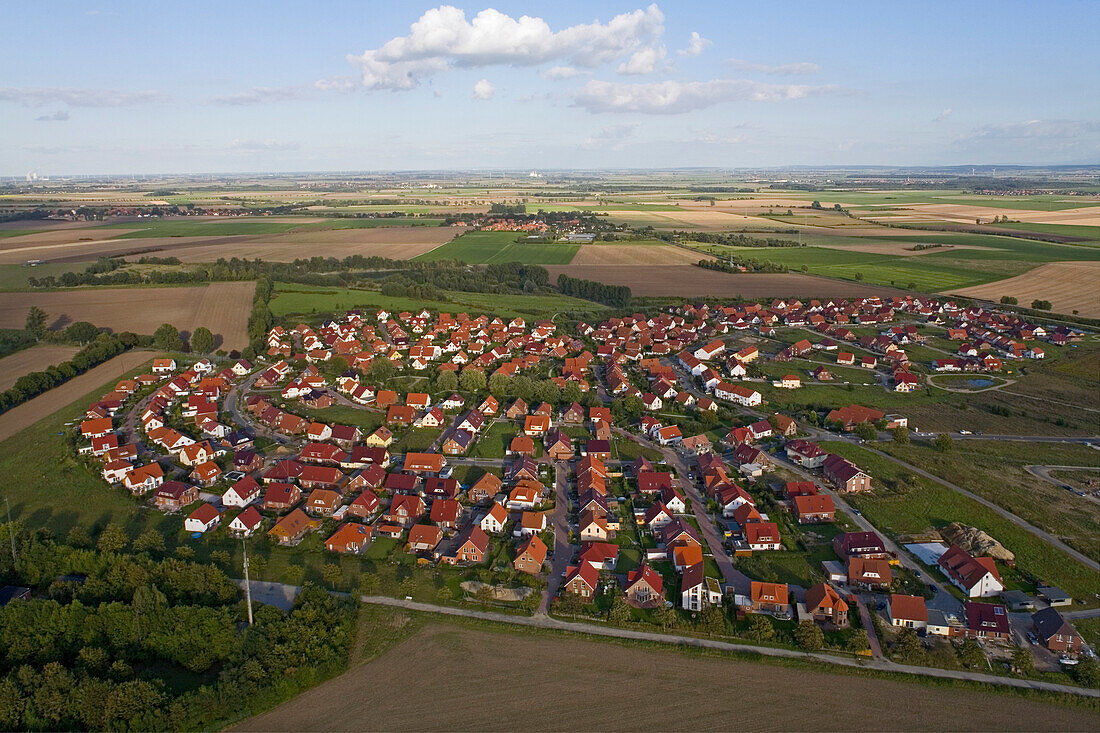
pixel 616 296
pixel 733 264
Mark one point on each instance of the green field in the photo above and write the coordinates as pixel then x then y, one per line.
pixel 1039 202
pixel 1070 230
pixel 482 248
pixel 305 299
pixel 992 258
pixel 230 227
pixel 14 277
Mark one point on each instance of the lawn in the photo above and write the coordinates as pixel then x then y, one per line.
pixel 479 248
pixel 14 277
pixel 305 299
pixel 495 440
pixel 903 503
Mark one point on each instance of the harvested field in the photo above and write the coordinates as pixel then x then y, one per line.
pixel 635 254
pixel 692 281
pixel 692 220
pixel 69 245
pixel 388 693
pixel 1069 286
pixel 28 413
pixel 222 307
pixel 34 359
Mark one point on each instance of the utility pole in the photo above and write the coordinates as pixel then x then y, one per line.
pixel 11 533
pixel 247 585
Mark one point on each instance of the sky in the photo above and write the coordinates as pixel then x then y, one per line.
pixel 273 86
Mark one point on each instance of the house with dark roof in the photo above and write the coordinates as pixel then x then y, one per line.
pixel 1055 633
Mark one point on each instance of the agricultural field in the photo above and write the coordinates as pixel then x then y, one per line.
pixel 635 253
pixel 292 298
pixel 480 248
pixel 682 280
pixel 1071 287
pixel 206 239
pixel 439 656
pixel 34 359
pixel 223 307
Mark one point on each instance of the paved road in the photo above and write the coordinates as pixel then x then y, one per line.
pixel 1049 538
pixel 1043 472
pixel 869 626
pixel 546 622
pixel 563 550
pixel 732 576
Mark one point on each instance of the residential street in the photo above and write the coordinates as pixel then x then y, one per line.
pixel 563 550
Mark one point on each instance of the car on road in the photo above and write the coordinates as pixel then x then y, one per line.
pixel 965 432
pixel 1032 637
pixel 234 476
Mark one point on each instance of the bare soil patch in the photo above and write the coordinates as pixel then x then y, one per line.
pixel 1068 286
pixel 34 359
pixel 30 412
pixel 426 684
pixel 691 281
pixel 221 307
pixel 635 254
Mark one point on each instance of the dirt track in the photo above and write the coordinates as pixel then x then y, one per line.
pixel 691 281
pixel 222 307
pixel 450 678
pixel 28 413
pixel 34 359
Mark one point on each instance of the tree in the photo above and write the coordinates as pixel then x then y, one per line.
pixel 572 392
pixel 859 276
pixel 1087 672
pixel 81 332
pixel 866 431
pixel 498 385
pixel 472 380
pixel 167 338
pixel 1009 300
pixel 112 539
pixel 293 574
pixel 1023 661
pixel 901 435
pixel 620 611
pixel 760 628
pixel 548 392
pixel 908 649
pixel 36 322
pixel 78 537
pixel 666 617
pixel 1041 305
pixel 971 654
pixel 332 574
pixel 381 369
pixel 149 541
pixel 712 620
pixel 858 641
pixel 809 636
pixel 446 382
pixel 944 442
pixel 202 341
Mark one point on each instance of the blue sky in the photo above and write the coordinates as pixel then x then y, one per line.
pixel 197 87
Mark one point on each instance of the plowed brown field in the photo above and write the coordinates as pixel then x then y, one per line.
pixel 34 359
pixel 1069 286
pixel 635 254
pixel 437 681
pixel 222 307
pixel 691 281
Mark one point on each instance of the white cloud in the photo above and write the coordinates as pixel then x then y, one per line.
pixel 262 95
pixel 1035 131
pixel 794 69
pixel 696 45
pixel 643 61
pixel 942 115
pixel 560 72
pixel 674 97
pixel 484 89
pixel 73 97
pixel 59 116
pixel 610 138
pixel 259 146
pixel 442 38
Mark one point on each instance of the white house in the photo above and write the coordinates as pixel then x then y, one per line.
pixel 205 518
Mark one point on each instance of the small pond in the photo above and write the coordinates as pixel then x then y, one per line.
pixel 978 383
